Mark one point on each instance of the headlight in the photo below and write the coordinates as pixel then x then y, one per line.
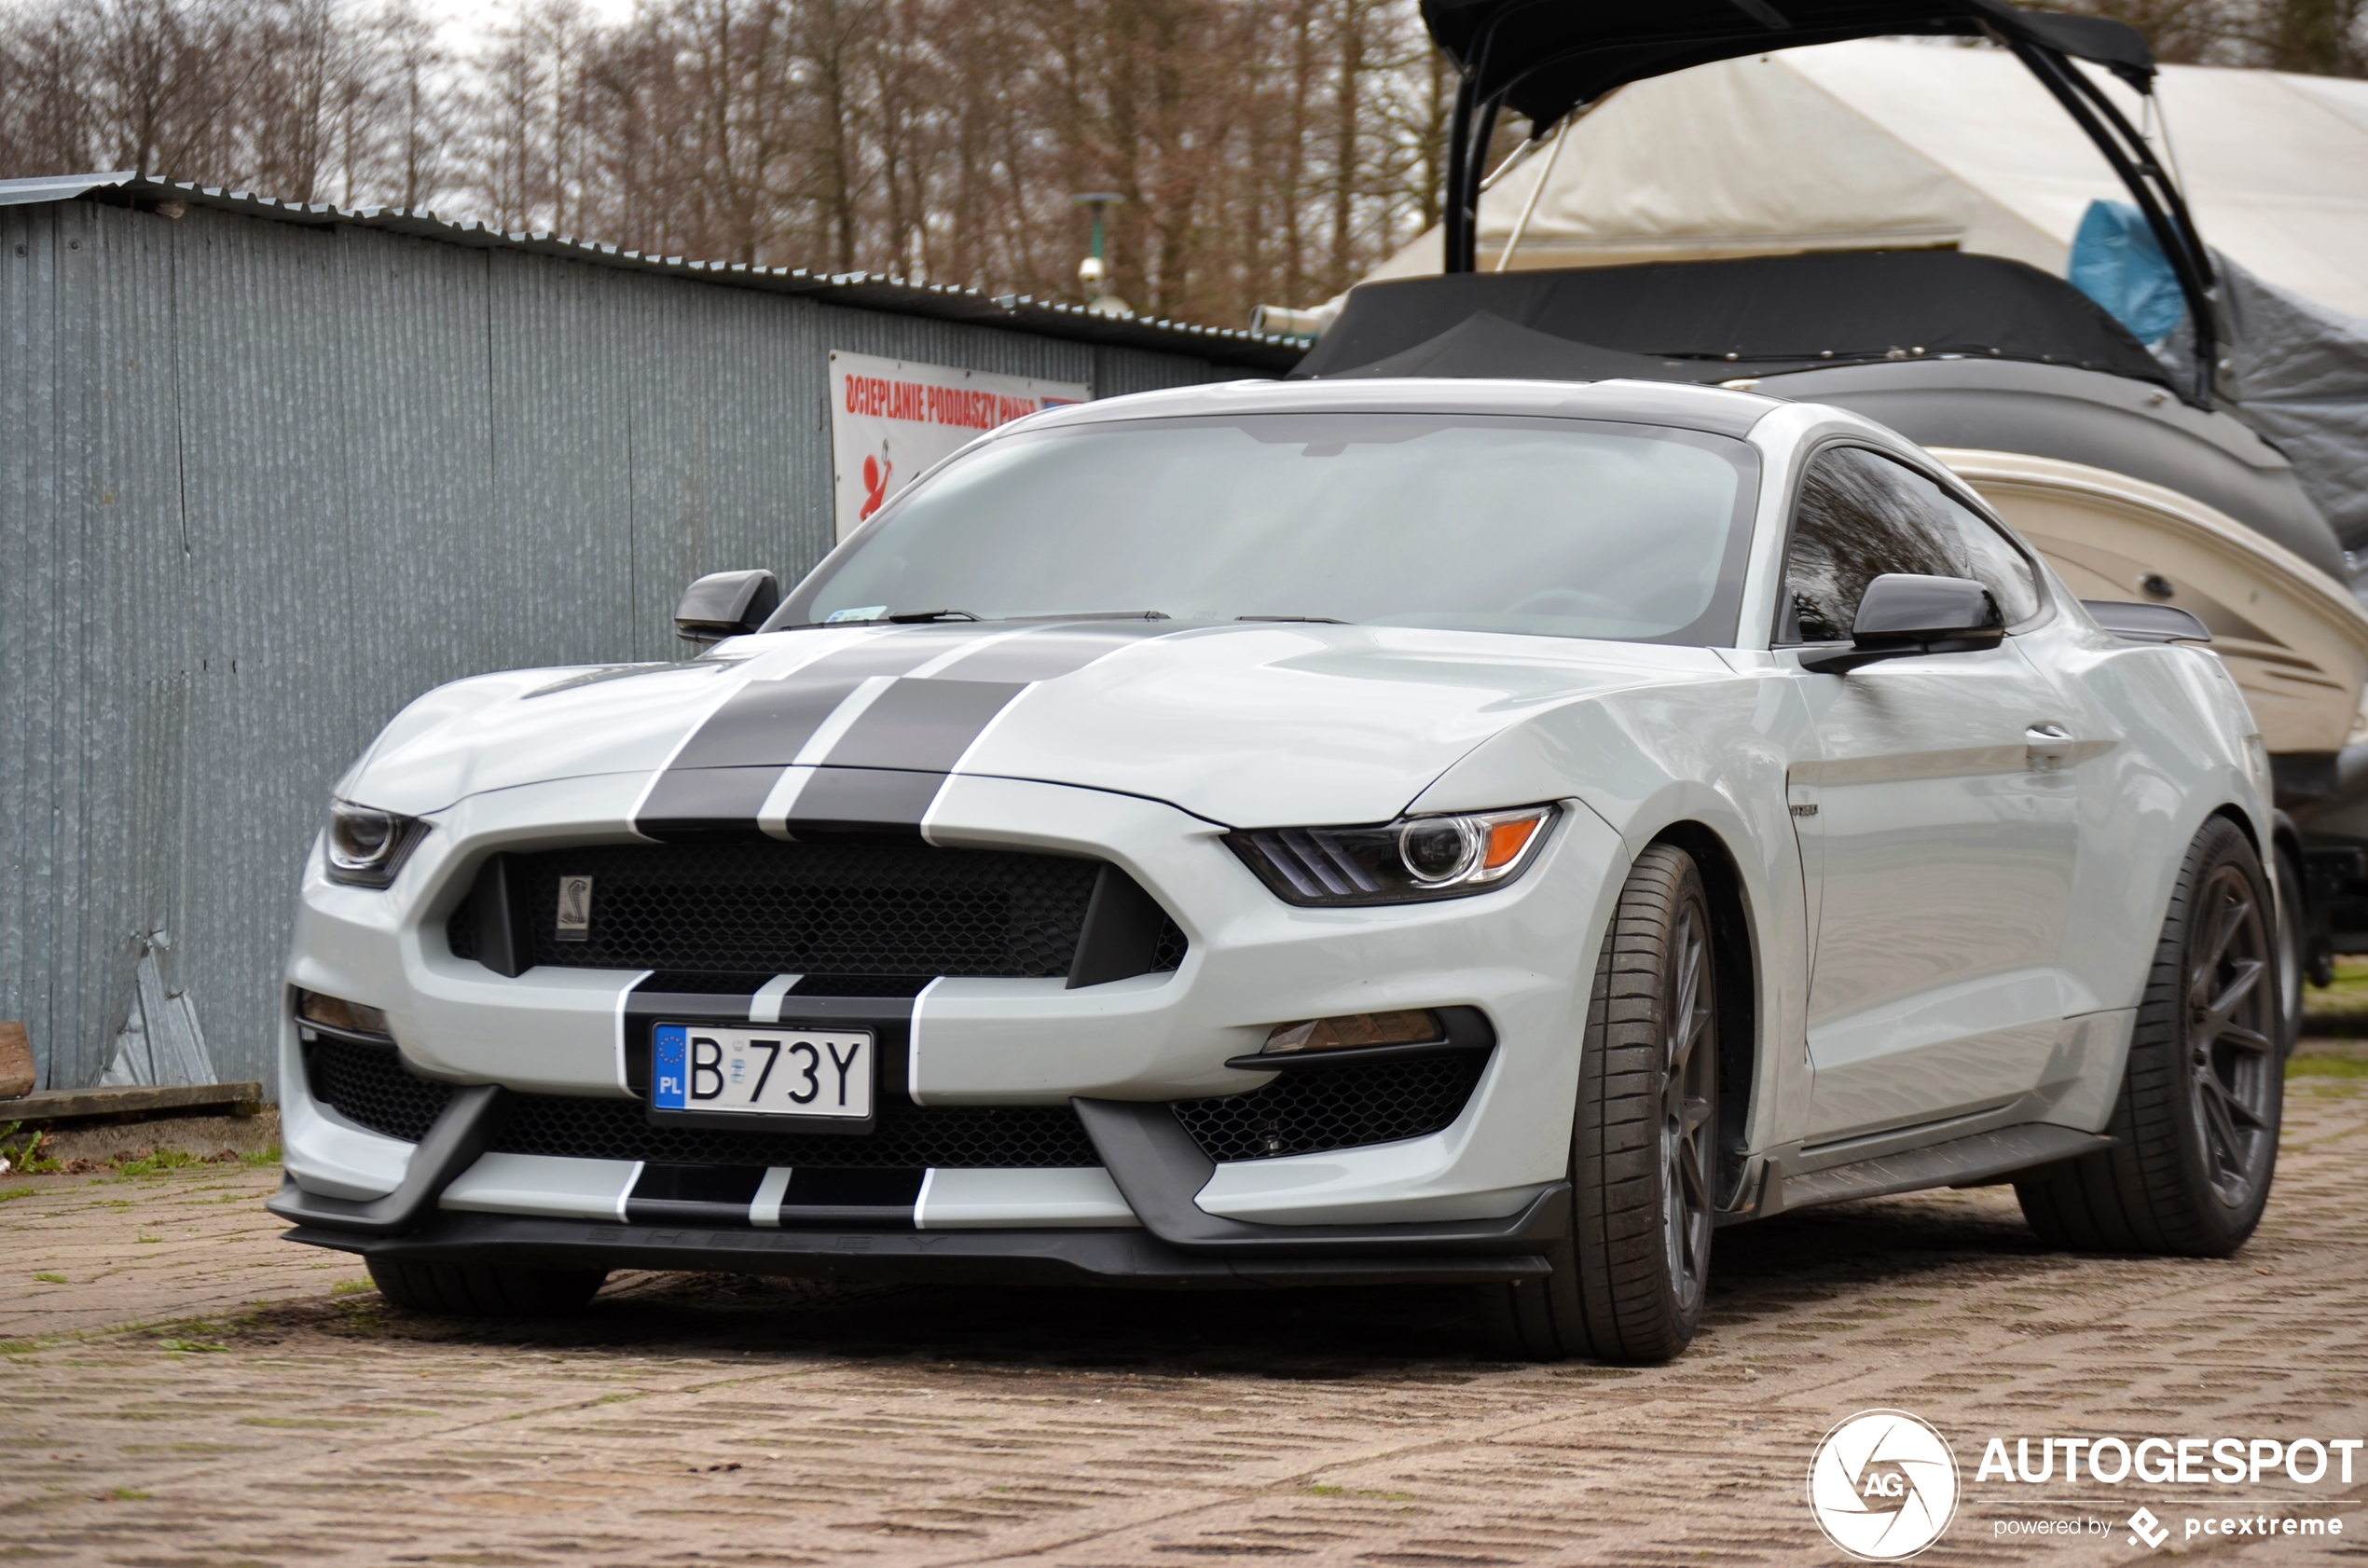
pixel 366 846
pixel 1405 861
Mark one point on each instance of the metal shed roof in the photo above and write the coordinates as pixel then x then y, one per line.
pixel 873 291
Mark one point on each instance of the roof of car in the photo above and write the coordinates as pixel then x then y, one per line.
pixel 1712 409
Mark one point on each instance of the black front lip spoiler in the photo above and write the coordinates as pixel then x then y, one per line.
pixel 1155 1163
pixel 1008 1257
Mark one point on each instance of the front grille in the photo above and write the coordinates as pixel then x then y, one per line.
pixel 1308 1110
pixel 371 1087
pixel 838 909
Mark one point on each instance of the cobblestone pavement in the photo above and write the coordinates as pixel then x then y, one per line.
pixel 180 1388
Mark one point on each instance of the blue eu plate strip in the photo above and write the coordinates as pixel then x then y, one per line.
pixel 669 1070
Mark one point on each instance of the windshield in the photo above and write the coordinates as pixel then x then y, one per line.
pixel 1563 527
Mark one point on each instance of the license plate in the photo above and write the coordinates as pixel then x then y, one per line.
pixel 810 1074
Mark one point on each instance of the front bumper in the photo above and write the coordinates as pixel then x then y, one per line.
pixel 1519 954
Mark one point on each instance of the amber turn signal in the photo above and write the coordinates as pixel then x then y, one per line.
pixel 1507 840
pixel 335 1012
pixel 1412 1026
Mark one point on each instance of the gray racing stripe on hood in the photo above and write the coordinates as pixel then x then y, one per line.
pixel 722 773
pixel 881 776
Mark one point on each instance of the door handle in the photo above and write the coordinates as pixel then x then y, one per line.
pixel 2046 746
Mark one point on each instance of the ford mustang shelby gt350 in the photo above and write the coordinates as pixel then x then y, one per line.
pixel 1269 834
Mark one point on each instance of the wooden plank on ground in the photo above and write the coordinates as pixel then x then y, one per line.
pixel 60 1104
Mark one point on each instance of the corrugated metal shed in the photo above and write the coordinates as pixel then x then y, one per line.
pixel 267 473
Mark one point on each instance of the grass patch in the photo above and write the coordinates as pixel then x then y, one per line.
pixel 127 1494
pixel 2350 992
pixel 157 1162
pixel 50 1279
pixel 192 1347
pixel 21 1151
pixel 257 1162
pixel 351 1287
pixel 2326 1067
pixel 17 1193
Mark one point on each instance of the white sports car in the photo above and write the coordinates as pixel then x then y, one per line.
pixel 1269 834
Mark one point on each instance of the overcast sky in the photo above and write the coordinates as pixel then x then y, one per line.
pixel 464 21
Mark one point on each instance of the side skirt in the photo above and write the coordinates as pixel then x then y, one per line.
pixel 1965 1162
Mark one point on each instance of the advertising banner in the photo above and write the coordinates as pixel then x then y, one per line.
pixel 892 418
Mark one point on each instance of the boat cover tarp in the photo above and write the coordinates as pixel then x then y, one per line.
pixel 2298 373
pixel 1754 315
pixel 1880 145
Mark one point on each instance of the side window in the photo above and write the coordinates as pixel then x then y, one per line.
pixel 1860 516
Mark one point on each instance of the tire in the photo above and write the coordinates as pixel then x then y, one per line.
pixel 2194 1129
pixel 485 1289
pixel 1631 1273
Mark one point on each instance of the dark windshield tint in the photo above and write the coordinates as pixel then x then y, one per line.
pixel 1559 527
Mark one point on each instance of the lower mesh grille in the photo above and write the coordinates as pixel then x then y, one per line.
pixel 1306 1111
pixel 907 1137
pixel 371 1087
pixel 1311 1109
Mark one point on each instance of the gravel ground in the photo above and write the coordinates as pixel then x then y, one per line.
pixel 183 1388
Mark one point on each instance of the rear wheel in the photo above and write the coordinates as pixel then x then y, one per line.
pixel 2196 1129
pixel 485 1289
pixel 1630 1277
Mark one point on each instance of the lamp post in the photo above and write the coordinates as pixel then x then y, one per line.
pixel 1093 271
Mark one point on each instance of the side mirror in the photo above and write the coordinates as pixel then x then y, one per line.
pixel 725 604
pixel 1904 614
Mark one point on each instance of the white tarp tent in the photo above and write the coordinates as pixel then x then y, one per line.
pixel 1883 143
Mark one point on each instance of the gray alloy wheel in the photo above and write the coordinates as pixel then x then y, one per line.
pixel 485 1289
pixel 2194 1130
pixel 1631 1275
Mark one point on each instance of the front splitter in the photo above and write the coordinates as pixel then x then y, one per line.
pixel 987 1257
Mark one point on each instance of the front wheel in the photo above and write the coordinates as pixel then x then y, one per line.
pixel 2196 1129
pixel 1630 1277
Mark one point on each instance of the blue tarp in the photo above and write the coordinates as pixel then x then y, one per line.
pixel 2117 263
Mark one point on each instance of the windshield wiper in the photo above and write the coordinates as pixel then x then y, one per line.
pixel 919 617
pixel 1306 620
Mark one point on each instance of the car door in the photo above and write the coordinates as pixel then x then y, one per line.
pixel 1936 816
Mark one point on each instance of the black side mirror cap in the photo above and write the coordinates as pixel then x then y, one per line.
pixel 1904 613
pixel 725 604
pixel 2146 623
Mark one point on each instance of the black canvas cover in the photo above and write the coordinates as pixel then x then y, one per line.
pixel 1716 321
pixel 1547 56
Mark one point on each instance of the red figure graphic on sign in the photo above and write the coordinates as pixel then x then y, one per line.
pixel 875 478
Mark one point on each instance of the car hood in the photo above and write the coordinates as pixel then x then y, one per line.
pixel 1248 725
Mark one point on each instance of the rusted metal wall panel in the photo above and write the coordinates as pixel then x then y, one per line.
pixel 262 484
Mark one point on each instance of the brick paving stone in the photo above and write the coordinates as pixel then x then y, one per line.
pixel 198 1394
